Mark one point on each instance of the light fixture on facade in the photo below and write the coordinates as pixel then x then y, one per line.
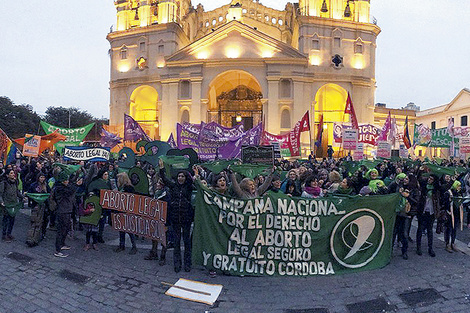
pixel 156 124
pixel 238 118
pixel 267 53
pixel 202 55
pixel 232 52
pixel 124 67
pixel 347 11
pixel 324 7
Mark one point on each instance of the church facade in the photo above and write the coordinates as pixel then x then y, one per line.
pixel 172 62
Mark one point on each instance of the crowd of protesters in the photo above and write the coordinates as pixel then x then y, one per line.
pixel 427 195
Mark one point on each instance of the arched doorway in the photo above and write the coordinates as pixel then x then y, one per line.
pixel 144 109
pixel 234 97
pixel 330 102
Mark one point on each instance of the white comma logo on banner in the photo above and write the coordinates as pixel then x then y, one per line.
pixel 359 235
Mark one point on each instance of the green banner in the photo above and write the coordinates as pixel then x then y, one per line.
pixel 173 163
pixel 250 170
pixel 278 235
pixel 74 135
pixel 440 138
pixel 39 198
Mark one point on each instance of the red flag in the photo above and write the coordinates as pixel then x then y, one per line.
pixel 406 135
pixel 319 132
pixel 305 122
pixel 349 109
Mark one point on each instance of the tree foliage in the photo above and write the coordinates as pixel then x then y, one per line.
pixel 17 120
pixel 67 117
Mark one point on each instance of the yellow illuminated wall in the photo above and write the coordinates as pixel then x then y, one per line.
pixel 360 9
pixel 330 101
pixel 144 109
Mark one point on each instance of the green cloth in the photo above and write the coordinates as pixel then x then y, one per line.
pixel 375 184
pixel 440 171
pixel 13 208
pixel 250 170
pixel 456 184
pixel 74 136
pixel 94 217
pixel 330 244
pixel 219 165
pixel 352 166
pixel 70 169
pixel 39 198
pixel 371 171
pixel 174 163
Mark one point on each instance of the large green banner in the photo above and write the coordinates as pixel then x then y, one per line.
pixel 281 235
pixel 438 138
pixel 74 135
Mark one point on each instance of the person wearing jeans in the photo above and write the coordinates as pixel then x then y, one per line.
pixel 63 200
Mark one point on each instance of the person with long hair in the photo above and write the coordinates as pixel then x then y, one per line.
pixel 10 197
pixel 180 214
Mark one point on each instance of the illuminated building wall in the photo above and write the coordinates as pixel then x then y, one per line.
pixel 179 63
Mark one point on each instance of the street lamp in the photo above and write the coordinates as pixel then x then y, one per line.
pixel 238 118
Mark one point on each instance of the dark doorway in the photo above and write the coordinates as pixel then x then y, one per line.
pixel 247 122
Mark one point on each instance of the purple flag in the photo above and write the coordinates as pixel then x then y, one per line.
pixel 133 131
pixel 171 141
pixel 109 139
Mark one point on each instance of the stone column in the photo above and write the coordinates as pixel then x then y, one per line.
pixel 196 115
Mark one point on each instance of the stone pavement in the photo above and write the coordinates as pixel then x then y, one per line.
pixel 33 280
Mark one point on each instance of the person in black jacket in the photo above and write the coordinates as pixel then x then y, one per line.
pixel 180 214
pixel 428 209
pixel 63 201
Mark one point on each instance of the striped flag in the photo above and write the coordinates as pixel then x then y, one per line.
pixel 406 135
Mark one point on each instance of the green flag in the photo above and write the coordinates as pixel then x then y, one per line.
pixel 218 166
pixel 93 218
pixel 74 135
pixel 69 169
pixel 440 170
pixel 173 163
pixel 39 198
pixel 278 235
pixel 13 208
pixel 250 170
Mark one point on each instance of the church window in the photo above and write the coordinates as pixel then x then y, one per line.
pixel 315 44
pixel 285 119
pixel 464 120
pixel 274 20
pixel 281 22
pixel 358 48
pixel 266 18
pixel 142 46
pixel 185 89
pixel 161 49
pixel 185 117
pixel 244 11
pixel 207 24
pixel 433 125
pixel 286 88
pixel 337 42
pixel 214 21
pixel 221 18
pixel 123 54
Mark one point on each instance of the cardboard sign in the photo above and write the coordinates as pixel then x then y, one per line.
pixel 31 145
pixel 359 152
pixel 86 154
pixel 403 151
pixel 384 150
pixel 258 154
pixel 140 215
pixel 349 139
pixel 465 145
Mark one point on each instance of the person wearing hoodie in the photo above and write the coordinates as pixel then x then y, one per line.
pixel 10 197
pixel 180 214
pixel 62 201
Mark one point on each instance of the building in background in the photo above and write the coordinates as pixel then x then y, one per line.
pixel 171 62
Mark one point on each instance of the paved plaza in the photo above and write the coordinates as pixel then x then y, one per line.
pixel 33 280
